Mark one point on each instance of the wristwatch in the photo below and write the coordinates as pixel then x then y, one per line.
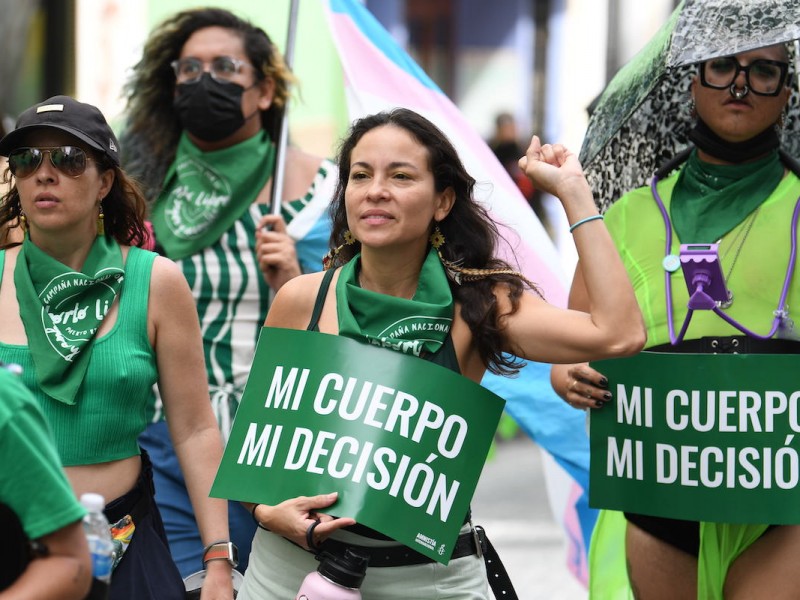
pixel 221 551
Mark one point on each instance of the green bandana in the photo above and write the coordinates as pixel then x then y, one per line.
pixel 62 309
pixel 415 326
pixel 710 200
pixel 206 192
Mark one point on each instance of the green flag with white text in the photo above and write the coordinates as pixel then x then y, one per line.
pixel 703 437
pixel 402 440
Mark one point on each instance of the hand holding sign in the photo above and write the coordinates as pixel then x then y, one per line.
pixel 316 416
pixel 292 518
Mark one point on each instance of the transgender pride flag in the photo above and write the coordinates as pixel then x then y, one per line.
pixel 379 75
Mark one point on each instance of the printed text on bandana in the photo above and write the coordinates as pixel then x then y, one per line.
pixel 193 206
pixel 70 318
pixel 402 445
pixel 700 437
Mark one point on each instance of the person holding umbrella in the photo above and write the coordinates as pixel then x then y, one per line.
pixel 204 107
pixel 735 188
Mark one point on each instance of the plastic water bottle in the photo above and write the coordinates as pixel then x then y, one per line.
pixel 336 578
pixel 101 547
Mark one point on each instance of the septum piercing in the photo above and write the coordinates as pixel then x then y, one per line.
pixel 739 93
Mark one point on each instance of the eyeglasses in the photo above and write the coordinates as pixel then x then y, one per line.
pixel 764 77
pixel 70 160
pixel 222 68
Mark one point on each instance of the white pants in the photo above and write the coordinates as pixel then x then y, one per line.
pixel 277 568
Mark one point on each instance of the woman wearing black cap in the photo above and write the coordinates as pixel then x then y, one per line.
pixel 95 322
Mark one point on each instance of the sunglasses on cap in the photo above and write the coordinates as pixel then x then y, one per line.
pixel 70 160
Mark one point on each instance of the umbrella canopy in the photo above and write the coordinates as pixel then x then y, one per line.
pixel 642 117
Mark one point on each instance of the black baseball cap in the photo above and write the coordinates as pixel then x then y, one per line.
pixel 84 121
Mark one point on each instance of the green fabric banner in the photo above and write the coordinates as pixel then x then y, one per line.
pixel 704 437
pixel 402 440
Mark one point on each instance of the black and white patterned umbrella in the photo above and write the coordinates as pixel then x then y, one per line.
pixel 642 117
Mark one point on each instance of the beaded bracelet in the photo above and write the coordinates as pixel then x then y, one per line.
pixel 253 514
pixel 574 226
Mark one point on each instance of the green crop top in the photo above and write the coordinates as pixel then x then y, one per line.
pixel 110 412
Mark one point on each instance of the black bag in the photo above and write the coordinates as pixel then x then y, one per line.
pixel 15 550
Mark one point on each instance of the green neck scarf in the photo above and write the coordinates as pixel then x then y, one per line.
pixel 710 200
pixel 206 192
pixel 62 310
pixel 417 326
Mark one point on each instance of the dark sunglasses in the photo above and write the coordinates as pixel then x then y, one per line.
pixel 70 160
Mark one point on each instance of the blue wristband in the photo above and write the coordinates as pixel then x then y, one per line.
pixel 574 226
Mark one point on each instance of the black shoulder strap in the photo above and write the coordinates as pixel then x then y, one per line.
pixel 790 162
pixel 313 325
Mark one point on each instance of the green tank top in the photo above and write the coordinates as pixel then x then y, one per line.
pixel 111 410
pixel 754 257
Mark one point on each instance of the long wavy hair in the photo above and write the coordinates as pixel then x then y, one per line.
pixel 123 207
pixel 471 235
pixel 152 129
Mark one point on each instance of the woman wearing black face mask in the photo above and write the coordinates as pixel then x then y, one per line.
pixel 736 189
pixel 204 106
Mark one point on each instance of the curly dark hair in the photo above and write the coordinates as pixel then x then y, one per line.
pixel 471 235
pixel 123 207
pixel 152 129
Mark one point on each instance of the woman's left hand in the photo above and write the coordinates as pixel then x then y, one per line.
pixel 275 251
pixel 218 584
pixel 292 518
pixel 552 167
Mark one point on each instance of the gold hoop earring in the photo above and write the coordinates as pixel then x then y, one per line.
pixel 23 222
pixel 101 225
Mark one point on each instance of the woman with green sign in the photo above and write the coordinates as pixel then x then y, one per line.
pixel 411 244
pixel 95 322
pixel 732 207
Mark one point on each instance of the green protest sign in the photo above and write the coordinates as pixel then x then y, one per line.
pixel 402 440
pixel 704 437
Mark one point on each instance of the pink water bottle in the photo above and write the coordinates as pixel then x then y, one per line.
pixel 336 578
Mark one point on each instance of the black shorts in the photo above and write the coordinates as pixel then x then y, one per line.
pixel 683 535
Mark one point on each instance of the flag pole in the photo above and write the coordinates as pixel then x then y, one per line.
pixel 283 135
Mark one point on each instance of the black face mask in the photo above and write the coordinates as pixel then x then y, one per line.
pixel 208 109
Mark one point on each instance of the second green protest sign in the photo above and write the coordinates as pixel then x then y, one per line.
pixel 700 437
pixel 402 440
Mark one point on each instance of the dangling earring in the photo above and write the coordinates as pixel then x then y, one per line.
pixel 23 222
pixel 437 240
pixel 781 121
pixel 692 108
pixel 101 226
pixel 328 259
